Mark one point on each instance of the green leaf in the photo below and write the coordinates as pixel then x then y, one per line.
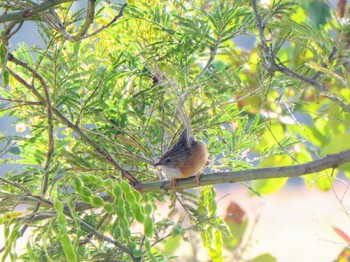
pixel 318 12
pixel 340 142
pixel 6 77
pixel 15 150
pixel 238 231
pixel 264 258
pixel 324 181
pixel 172 244
pixel 268 186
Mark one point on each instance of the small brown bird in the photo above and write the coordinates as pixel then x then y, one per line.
pixel 186 158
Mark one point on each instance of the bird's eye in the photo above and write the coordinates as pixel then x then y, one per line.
pixel 167 161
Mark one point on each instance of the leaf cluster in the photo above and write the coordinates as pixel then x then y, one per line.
pixel 92 109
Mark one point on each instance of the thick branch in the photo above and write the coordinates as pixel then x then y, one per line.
pixel 27 13
pixel 82 34
pixel 329 161
pixel 89 19
pixel 121 13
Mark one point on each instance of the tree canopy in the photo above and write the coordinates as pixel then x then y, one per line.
pixel 112 87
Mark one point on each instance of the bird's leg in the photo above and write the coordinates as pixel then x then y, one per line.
pixel 173 182
pixel 198 178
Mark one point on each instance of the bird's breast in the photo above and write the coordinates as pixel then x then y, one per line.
pixel 171 172
pixel 196 160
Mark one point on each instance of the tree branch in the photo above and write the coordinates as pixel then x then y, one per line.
pixel 329 161
pixel 8 34
pixel 51 140
pixel 30 12
pixel 273 63
pixel 89 20
pixel 133 181
pixel 17 185
pixel 119 15
pixel 90 15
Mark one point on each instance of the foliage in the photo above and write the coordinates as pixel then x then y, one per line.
pixel 88 109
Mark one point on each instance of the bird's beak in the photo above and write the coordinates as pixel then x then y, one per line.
pixel 157 164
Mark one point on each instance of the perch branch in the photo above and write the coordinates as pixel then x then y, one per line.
pixel 329 161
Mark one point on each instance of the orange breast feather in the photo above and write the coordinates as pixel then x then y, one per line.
pixel 196 161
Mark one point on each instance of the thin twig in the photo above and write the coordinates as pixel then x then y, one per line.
pixel 89 98
pixel 324 65
pixel 29 220
pixel 34 217
pixel 20 101
pixel 98 226
pixel 48 105
pixel 8 34
pixel 76 128
pixel 121 13
pixel 20 105
pixel 14 184
pixel 89 20
pixel 273 63
pixel 101 236
pixel 278 142
pixel 340 200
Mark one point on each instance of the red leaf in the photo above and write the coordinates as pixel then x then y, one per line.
pixel 234 213
pixel 342 234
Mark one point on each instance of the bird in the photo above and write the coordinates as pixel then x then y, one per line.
pixel 186 158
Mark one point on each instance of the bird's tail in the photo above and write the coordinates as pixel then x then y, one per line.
pixel 174 93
